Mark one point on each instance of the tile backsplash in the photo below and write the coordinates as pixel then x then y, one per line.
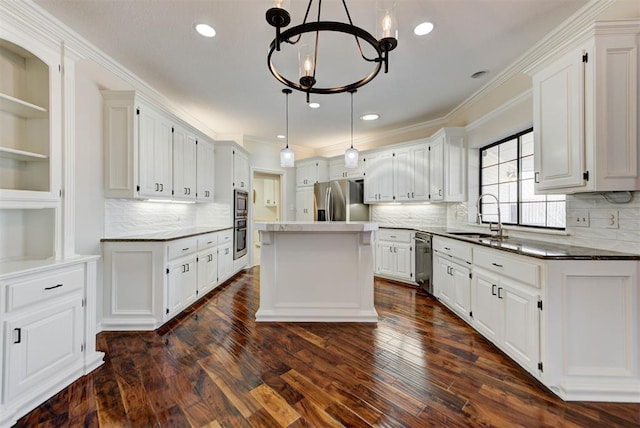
pixel 126 217
pixel 409 215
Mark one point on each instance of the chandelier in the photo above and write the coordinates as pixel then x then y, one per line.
pixel 278 17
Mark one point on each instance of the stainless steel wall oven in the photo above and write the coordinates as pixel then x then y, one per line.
pixel 241 210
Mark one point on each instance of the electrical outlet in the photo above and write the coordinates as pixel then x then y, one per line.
pixel 578 218
pixel 611 219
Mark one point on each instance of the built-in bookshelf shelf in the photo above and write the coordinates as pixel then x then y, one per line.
pixel 21 108
pixel 22 155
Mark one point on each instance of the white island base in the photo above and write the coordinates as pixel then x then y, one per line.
pixel 316 272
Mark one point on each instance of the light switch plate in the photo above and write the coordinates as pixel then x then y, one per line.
pixel 578 218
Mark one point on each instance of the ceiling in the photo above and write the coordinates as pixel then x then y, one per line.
pixel 224 81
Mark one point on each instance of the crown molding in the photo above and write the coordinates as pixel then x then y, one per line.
pixel 28 14
pixel 570 30
pixel 525 96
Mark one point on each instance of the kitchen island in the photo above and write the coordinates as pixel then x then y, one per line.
pixel 316 271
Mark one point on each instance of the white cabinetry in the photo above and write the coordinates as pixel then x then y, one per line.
pixel 138 148
pixel 271 192
pixel 48 324
pixel 184 164
pixel 452 275
pixel 240 170
pixel 337 170
pixel 182 283
pixel 147 282
pixel 30 110
pixel 394 254
pixel 378 179
pixel 225 255
pixel 305 204
pixel 207 263
pixel 448 165
pixel 505 304
pixel 311 171
pixel 205 159
pixel 586 113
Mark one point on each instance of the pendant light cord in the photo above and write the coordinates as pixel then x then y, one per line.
pixel 287 118
pixel 352 117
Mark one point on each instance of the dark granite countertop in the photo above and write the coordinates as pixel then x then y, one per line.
pixel 530 247
pixel 167 235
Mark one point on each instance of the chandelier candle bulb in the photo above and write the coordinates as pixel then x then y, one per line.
pixel 386 12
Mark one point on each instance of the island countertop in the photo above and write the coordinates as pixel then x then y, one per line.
pixel 316 226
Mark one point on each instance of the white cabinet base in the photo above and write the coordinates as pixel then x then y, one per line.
pixel 323 275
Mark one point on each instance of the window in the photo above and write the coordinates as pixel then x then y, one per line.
pixel 506 171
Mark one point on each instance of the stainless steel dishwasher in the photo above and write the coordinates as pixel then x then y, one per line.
pixel 424 261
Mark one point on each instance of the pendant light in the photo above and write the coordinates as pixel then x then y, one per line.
pixel 351 154
pixel 287 157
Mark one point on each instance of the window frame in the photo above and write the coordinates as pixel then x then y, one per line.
pixel 519 202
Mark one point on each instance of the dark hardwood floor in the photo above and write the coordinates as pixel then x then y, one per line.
pixel 419 366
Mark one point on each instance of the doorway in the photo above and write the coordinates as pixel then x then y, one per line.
pixel 267 203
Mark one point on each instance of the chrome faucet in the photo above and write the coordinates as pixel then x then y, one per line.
pixel 494 228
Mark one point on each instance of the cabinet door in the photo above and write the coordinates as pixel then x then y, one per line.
pixel 40 344
pixel 385 177
pixel 207 271
pixel 455 175
pixel 488 314
pixel 402 175
pixel 155 153
pixel 270 198
pixel 181 286
pixel 385 262
pixel 371 165
pixel 442 283
pixel 189 286
pixel 461 293
pixel 558 116
pixel 337 171
pixel 225 262
pixel 184 164
pixel 436 170
pixel 521 324
pixel 404 258
pixel 205 172
pixel 305 204
pixel 240 170
pixel 420 168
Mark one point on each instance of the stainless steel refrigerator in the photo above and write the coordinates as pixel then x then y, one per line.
pixel 340 200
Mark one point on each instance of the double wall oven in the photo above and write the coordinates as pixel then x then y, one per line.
pixel 241 212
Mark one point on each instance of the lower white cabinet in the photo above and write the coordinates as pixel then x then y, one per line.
pixel 452 275
pixel 146 282
pixel 394 257
pixel 48 329
pixel 507 313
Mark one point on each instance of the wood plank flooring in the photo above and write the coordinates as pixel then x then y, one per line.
pixel 420 366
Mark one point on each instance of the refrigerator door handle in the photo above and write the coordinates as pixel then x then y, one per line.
pixel 329 211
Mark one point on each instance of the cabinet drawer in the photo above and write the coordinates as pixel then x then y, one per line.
pixel 207 241
pixel 453 248
pixel 504 264
pixel 182 248
pixel 225 236
pixel 395 235
pixel 44 287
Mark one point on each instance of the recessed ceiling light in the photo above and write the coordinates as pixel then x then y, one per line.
pixel 282 137
pixel 423 29
pixel 205 30
pixel 370 116
pixel 314 105
pixel 479 74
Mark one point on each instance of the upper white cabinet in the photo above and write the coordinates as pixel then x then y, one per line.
pixel 338 171
pixel 150 154
pixel 30 115
pixel 311 171
pixel 378 178
pixel 240 170
pixel 586 113
pixel 270 192
pixel 427 170
pixel 448 165
pixel 184 164
pixel 138 148
pixel 205 170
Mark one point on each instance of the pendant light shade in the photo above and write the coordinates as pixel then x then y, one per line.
pixel 351 154
pixel 287 157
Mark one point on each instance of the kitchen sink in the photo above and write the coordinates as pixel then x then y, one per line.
pixel 472 234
